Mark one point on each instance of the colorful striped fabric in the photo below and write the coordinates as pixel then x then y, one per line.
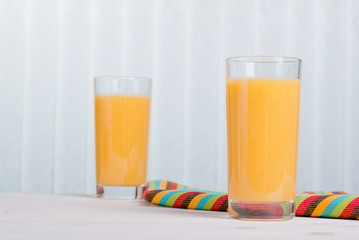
pixel 309 204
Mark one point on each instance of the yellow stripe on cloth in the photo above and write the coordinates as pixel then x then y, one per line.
pixel 196 200
pixel 158 197
pixel 163 184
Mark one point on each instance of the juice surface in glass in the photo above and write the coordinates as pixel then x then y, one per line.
pixel 262 118
pixel 122 124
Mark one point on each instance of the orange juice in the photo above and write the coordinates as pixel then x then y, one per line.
pixel 262 119
pixel 122 124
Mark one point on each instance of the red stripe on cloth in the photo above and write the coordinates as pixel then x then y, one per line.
pixel 304 205
pixel 181 198
pixel 218 203
pixel 340 192
pixel 145 192
pixel 348 210
pixel 174 186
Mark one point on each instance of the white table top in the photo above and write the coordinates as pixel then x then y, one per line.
pixel 39 216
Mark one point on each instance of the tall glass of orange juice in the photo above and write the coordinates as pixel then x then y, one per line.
pixel 122 112
pixel 262 131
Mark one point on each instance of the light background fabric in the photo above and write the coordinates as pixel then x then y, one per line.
pixel 50 50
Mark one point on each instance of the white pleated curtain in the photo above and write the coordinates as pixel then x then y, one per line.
pixel 50 50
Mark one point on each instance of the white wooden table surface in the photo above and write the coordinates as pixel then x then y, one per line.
pixel 37 216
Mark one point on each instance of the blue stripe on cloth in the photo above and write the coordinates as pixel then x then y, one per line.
pixel 167 196
pixel 203 201
pixel 157 184
pixel 332 205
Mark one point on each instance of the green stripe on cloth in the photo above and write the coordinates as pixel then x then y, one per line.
pixel 340 207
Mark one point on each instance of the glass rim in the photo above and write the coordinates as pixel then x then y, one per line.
pixel 271 59
pixel 133 78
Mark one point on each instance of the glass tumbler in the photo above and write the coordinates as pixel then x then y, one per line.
pixel 263 95
pixel 122 113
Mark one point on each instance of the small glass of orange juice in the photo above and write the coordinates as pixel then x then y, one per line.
pixel 122 112
pixel 263 95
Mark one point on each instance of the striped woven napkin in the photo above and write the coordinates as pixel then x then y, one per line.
pixel 309 204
